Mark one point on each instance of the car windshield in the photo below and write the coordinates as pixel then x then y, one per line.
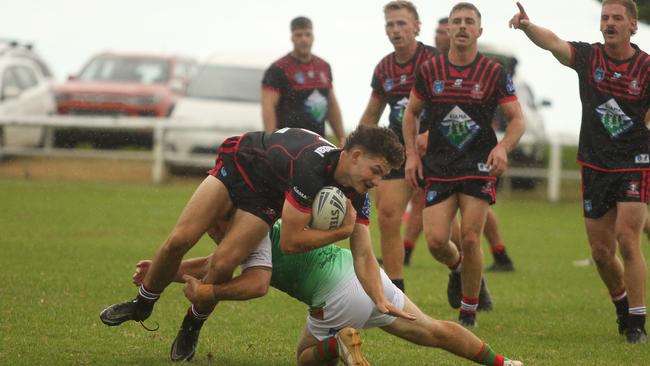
pixel 227 83
pixel 119 69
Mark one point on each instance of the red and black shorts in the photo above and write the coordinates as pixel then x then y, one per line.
pixel 437 190
pixel 245 195
pixel 601 190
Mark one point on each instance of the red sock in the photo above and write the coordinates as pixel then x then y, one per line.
pixel 498 248
pixel 409 244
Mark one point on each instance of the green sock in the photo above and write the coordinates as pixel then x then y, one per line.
pixel 487 356
pixel 326 350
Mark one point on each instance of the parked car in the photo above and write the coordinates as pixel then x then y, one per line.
pixel 224 96
pixel 531 151
pixel 123 84
pixel 25 89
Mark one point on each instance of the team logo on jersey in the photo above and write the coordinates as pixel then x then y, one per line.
pixel 487 188
pixel 613 118
pixel 402 79
pixel 477 91
pixel 642 159
pixel 510 85
pixel 632 190
pixel 431 195
pixel 388 85
pixel 634 88
pixel 599 74
pixel 587 205
pixel 458 83
pixel 310 74
pixel 616 76
pixel 438 86
pixel 459 128
pixel 223 171
pixel 316 106
pixel 299 77
pixel 397 111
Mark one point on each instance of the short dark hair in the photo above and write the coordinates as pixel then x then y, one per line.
pixel 464 5
pixel 300 22
pixel 377 141
pixel 443 20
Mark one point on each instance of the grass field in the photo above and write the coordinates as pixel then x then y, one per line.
pixel 67 250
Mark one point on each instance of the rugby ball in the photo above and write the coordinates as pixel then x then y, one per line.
pixel 328 209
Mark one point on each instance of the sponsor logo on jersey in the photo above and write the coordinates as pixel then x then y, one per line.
pixel 458 83
pixel 599 74
pixel 458 128
pixel 634 88
pixel 316 106
pixel 477 92
pixel 482 167
pixel 402 79
pixel 431 195
pixel 510 85
pixel 322 150
pixel 642 159
pixel 587 205
pixel 438 86
pixel 299 193
pixel 616 76
pixel 388 85
pixel 310 74
pixel 223 171
pixel 613 118
pixel 397 110
pixel 299 77
pixel 632 190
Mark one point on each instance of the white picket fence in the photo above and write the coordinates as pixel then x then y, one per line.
pixel 160 157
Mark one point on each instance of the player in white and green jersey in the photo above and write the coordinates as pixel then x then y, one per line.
pixel 325 280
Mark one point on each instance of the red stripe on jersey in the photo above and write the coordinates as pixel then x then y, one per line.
pixel 242 172
pixel 289 197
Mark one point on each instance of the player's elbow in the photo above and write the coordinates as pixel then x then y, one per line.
pixel 289 247
pixel 259 290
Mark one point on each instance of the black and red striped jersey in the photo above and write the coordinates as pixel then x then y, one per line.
pixel 304 90
pixel 615 99
pixel 392 83
pixel 295 162
pixel 461 101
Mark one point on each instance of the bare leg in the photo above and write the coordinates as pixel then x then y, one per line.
pixel 472 211
pixel 630 219
pixel 305 353
pixel 414 224
pixel 437 221
pixel 602 240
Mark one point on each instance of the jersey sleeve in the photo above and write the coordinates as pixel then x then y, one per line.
pixel 505 87
pixel 308 178
pixel 580 54
pixel 274 79
pixel 422 85
pixel 260 257
pixel 361 203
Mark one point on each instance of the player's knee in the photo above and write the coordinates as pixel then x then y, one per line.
pixel 436 244
pixel 389 217
pixel 470 241
pixel 177 244
pixel 602 255
pixel 223 264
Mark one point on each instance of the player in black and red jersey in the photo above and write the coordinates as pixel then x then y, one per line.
pixel 297 89
pixel 461 89
pixel 257 178
pixel 613 151
pixel 391 84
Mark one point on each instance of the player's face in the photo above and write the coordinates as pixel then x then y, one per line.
pixel 302 39
pixel 367 171
pixel 464 28
pixel 401 27
pixel 441 38
pixel 615 25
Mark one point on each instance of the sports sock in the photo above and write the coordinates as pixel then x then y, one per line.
pixel 498 248
pixel 487 356
pixel 196 318
pixel 409 244
pixel 468 305
pixel 619 298
pixel 456 266
pixel 145 295
pixel 636 317
pixel 326 350
pixel 399 283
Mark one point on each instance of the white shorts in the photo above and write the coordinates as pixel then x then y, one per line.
pixel 350 306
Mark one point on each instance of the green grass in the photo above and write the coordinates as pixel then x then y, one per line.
pixel 67 250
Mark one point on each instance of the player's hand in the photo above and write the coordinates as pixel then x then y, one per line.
pixel 196 291
pixel 413 169
pixel 141 269
pixel 498 161
pixel 520 20
pixel 341 143
pixel 390 309
pixel 421 143
pixel 350 219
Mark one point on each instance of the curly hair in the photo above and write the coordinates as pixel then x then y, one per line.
pixel 377 141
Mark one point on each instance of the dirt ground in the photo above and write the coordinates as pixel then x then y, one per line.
pixel 85 170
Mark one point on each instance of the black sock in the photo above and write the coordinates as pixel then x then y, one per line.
pixel 621 306
pixel 399 283
pixel 195 318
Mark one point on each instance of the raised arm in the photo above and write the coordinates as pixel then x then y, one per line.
pixel 542 37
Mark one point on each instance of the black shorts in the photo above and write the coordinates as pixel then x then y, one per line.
pixel 436 191
pixel 602 190
pixel 245 195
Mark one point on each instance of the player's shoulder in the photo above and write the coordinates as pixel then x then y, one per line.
pixel 283 61
pixel 319 61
